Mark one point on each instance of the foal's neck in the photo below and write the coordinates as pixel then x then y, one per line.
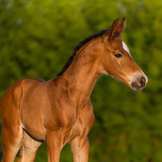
pixel 80 77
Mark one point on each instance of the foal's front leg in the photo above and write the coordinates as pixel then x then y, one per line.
pixel 80 153
pixel 54 146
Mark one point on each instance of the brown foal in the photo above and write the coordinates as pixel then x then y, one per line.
pixel 59 110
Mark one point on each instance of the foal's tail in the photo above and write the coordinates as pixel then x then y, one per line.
pixel 19 154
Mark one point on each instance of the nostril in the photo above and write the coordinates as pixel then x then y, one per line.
pixel 138 82
pixel 143 81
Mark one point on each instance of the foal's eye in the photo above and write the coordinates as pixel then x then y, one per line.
pixel 118 55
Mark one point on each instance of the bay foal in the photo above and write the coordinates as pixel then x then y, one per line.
pixel 59 110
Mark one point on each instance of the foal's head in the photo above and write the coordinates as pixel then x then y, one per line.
pixel 117 60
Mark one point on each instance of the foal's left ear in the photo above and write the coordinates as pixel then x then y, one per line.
pixel 110 33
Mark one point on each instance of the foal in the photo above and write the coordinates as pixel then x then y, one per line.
pixel 59 110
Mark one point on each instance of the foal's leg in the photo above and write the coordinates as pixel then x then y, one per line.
pixel 29 149
pixel 11 142
pixel 12 132
pixel 80 153
pixel 54 146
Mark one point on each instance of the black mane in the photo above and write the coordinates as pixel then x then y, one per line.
pixel 81 44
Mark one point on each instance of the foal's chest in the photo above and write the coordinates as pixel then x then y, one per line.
pixel 77 129
pixel 80 128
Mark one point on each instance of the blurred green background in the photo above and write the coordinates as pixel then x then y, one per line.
pixel 38 36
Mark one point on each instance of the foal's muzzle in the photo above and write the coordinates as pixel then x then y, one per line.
pixel 139 83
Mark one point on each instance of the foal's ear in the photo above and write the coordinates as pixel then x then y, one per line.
pixel 115 30
pixel 109 34
pixel 121 26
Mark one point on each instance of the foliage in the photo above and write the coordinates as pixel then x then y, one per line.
pixel 38 37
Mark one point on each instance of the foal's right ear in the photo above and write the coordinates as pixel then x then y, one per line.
pixel 121 26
